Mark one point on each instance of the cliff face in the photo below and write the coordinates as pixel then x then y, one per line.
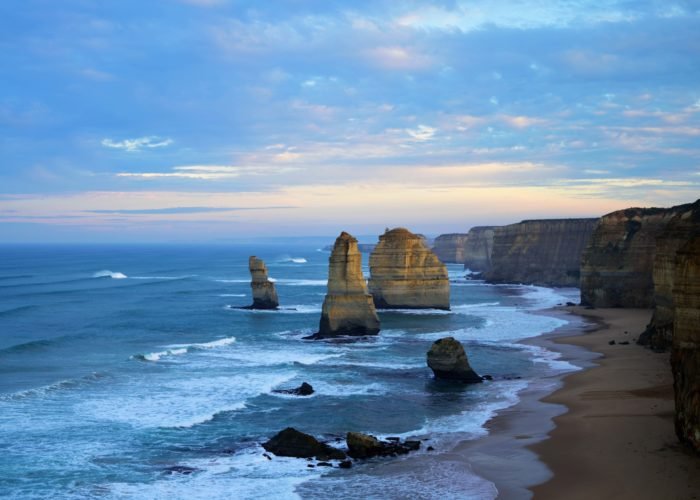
pixel 540 252
pixel 348 308
pixel 478 248
pixel 617 265
pixel 264 293
pixel 681 228
pixel 685 353
pixel 405 274
pixel 450 247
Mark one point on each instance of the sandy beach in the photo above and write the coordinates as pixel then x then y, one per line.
pixel 617 438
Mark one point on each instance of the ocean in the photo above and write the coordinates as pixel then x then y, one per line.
pixel 126 373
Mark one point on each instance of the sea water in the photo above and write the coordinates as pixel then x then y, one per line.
pixel 120 363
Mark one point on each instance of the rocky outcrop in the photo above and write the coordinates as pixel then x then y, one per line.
pixel 305 389
pixel 540 252
pixel 264 293
pixel 348 308
pixel 617 265
pixel 681 228
pixel 450 247
pixel 366 446
pixel 478 248
pixel 293 443
pixel 448 360
pixel 406 274
pixel 685 353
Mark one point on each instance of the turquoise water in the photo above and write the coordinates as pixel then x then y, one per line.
pixel 118 363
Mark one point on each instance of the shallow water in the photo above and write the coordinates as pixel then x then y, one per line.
pixel 117 363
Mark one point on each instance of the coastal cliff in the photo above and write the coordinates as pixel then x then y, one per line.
pixel 681 228
pixel 617 265
pixel 348 308
pixel 478 248
pixel 450 247
pixel 406 274
pixel 264 293
pixel 539 252
pixel 685 353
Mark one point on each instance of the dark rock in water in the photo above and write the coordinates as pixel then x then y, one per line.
pixel 448 360
pixel 324 464
pixel 303 390
pixel 366 446
pixel 267 456
pixel 264 293
pixel 625 343
pixel 570 304
pixel 487 377
pixel 179 469
pixel 430 448
pixel 293 443
pixel 612 342
pixel 345 464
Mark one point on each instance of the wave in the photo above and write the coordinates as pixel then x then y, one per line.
pixel 300 282
pixel 16 277
pixel 180 349
pixel 232 295
pixel 15 310
pixel 292 309
pixel 56 386
pixel 162 277
pixel 293 260
pixel 106 273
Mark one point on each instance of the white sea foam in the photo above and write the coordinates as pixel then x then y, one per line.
pixel 290 309
pixel 106 273
pixel 293 260
pixel 180 349
pixel 232 295
pixel 300 282
pixel 163 277
pixel 545 298
pixel 231 281
pixel 268 356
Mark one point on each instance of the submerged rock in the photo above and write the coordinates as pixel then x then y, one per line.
pixel 685 352
pixel 366 446
pixel 293 443
pixel 448 360
pixel 264 293
pixel 303 390
pixel 406 274
pixel 348 308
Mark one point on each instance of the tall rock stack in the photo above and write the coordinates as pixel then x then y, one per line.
pixel 543 252
pixel 478 248
pixel 348 308
pixel 617 265
pixel 406 274
pixel 450 247
pixel 685 352
pixel 681 228
pixel 264 293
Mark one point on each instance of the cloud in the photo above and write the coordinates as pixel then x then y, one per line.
pixel 422 133
pixel 133 145
pixel 210 172
pixel 181 210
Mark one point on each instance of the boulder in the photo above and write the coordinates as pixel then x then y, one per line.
pixel 406 274
pixel 303 390
pixel 293 443
pixel 366 446
pixel 348 308
pixel 448 360
pixel 264 293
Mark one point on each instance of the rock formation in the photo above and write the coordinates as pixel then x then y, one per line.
pixel 264 293
pixel 681 228
pixel 448 360
pixel 348 308
pixel 617 265
pixel 293 443
pixel 305 389
pixel 366 446
pixel 685 353
pixel 478 249
pixel 450 247
pixel 540 252
pixel 405 274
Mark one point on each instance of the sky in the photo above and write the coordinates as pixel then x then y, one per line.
pixel 218 120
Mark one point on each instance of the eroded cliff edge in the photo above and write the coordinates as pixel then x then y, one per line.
pixel 406 274
pixel 451 247
pixel 539 252
pixel 685 352
pixel 478 248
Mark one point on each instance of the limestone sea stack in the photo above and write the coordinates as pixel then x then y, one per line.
pixel 478 248
pixel 348 308
pixel 264 293
pixel 406 274
pixel 450 247
pixel 685 352
pixel 448 360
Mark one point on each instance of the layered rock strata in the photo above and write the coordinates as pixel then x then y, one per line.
pixel 540 252
pixel 406 274
pixel 681 228
pixel 348 308
pixel 264 293
pixel 450 247
pixel 478 248
pixel 617 265
pixel 448 360
pixel 685 352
